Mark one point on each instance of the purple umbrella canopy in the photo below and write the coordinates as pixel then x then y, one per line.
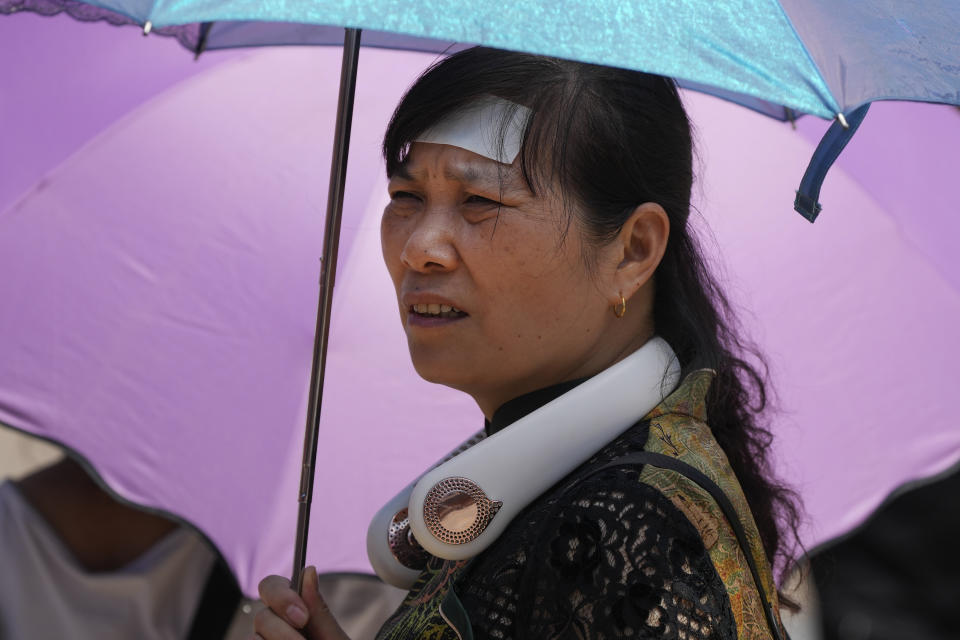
pixel 160 305
pixel 160 286
pixel 859 317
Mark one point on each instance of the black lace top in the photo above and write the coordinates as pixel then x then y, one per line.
pixel 603 553
pixel 598 556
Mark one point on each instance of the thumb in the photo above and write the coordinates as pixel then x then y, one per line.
pixel 321 625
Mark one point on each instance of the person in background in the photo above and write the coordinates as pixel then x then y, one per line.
pixel 77 563
pixel 897 576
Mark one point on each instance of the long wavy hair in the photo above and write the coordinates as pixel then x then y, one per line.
pixel 613 139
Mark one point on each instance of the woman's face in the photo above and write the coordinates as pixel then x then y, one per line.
pixel 492 286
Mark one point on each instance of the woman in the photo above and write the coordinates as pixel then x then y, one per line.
pixel 523 268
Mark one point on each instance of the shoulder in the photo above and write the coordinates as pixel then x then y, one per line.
pixel 613 529
pixel 605 554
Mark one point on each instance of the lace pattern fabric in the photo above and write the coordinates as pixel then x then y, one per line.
pixel 599 556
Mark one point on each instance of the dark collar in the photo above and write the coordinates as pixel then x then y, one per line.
pixel 512 410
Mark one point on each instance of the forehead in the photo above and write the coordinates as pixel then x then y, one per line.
pixel 489 126
pixel 429 161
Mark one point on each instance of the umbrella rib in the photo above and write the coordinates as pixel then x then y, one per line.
pixel 328 268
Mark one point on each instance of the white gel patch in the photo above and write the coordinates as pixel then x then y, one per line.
pixel 478 127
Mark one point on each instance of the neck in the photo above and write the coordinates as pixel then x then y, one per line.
pixel 101 533
pixel 490 400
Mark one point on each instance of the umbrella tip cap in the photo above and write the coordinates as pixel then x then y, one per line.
pixel 806 206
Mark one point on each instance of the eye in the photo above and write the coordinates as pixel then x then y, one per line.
pixel 483 201
pixel 405 195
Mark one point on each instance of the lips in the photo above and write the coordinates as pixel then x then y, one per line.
pixel 436 310
pixel 425 309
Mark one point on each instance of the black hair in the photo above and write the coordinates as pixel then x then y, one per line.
pixel 613 139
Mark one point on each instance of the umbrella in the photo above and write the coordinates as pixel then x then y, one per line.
pixel 936 456
pixel 858 316
pixel 172 350
pixel 102 79
pixel 830 58
pixel 796 54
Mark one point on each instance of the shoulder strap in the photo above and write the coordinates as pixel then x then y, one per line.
pixel 666 462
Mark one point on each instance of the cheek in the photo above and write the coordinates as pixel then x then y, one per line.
pixel 535 257
pixel 392 238
pixel 541 280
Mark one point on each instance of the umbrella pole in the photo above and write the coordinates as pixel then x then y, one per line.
pixel 328 268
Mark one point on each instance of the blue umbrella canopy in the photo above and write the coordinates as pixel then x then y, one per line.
pixel 822 57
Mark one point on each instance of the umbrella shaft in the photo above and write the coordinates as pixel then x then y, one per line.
pixel 328 267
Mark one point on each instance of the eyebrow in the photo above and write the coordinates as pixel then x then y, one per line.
pixel 472 173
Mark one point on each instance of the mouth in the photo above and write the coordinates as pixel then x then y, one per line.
pixel 435 311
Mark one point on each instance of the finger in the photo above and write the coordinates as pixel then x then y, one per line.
pixel 276 592
pixel 322 624
pixel 270 626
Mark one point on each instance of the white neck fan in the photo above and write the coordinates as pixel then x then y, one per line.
pixel 458 508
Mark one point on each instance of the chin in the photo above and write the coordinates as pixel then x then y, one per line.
pixel 440 370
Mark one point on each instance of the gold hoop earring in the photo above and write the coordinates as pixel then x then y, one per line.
pixel 620 309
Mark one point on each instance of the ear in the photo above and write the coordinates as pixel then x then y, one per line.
pixel 640 245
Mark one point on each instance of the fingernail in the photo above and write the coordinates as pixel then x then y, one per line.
pixel 297 616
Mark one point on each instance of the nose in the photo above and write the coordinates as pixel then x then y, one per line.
pixel 430 247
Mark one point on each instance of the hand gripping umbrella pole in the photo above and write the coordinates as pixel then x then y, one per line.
pixel 328 269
